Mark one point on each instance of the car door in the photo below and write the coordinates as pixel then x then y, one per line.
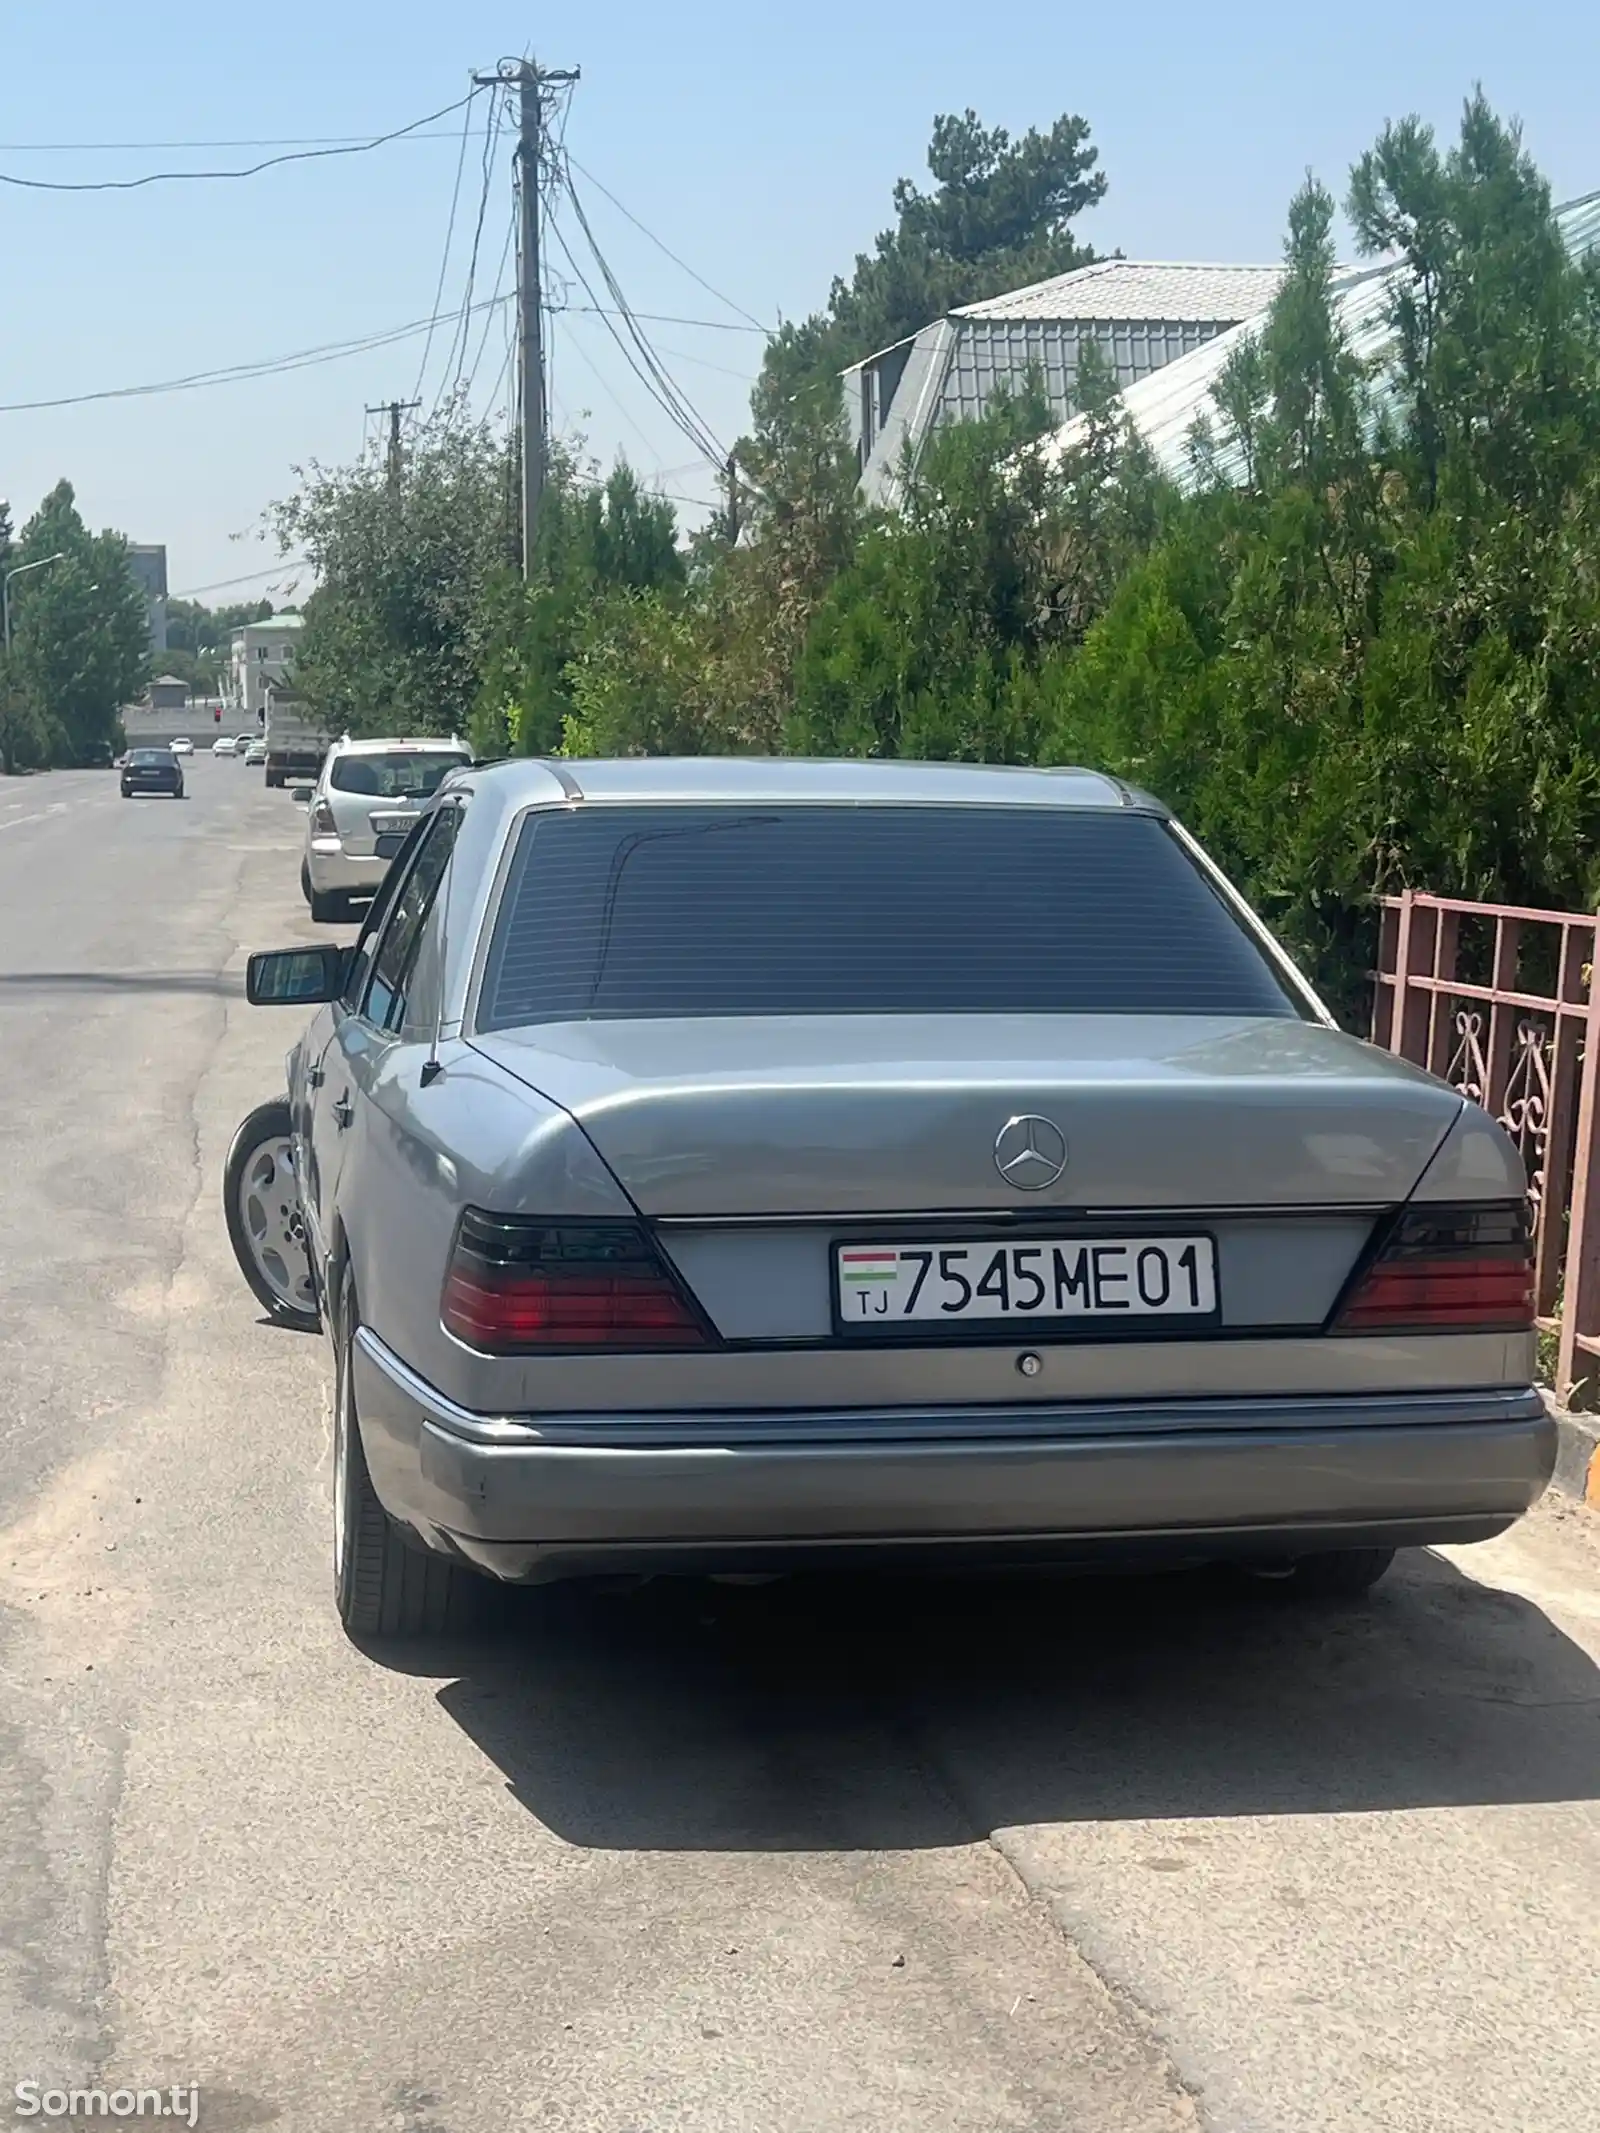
pixel 377 1020
pixel 341 1029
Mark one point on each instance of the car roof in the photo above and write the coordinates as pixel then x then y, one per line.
pixel 755 780
pixel 371 747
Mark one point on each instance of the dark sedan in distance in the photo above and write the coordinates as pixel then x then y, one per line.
pixel 152 770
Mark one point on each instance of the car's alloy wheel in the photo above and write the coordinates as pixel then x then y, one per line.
pixel 261 1200
pixel 384 1585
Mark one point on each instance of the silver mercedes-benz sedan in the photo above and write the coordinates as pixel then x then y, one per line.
pixel 724 1166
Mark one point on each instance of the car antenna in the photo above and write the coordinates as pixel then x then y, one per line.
pixel 433 1065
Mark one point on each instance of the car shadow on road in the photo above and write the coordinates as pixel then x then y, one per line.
pixel 853 1713
pixel 116 981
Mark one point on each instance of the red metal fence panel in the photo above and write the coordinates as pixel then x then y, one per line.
pixel 1501 1002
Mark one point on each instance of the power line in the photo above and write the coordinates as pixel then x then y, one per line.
pixel 165 177
pixel 662 246
pixel 457 351
pixel 250 577
pixel 499 289
pixel 290 140
pixel 658 318
pixel 627 354
pixel 302 359
pixel 663 390
pixel 449 240
pixel 606 387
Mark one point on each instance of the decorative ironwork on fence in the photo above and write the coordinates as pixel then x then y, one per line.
pixel 1501 1002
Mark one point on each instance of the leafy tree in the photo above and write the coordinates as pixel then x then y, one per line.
pixel 1369 661
pixel 595 540
pixel 80 633
pixel 398 631
pixel 999 216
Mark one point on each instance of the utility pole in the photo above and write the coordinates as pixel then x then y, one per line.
pixel 530 81
pixel 394 409
pixel 731 475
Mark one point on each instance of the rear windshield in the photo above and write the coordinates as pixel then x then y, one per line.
pixel 143 758
pixel 407 774
pixel 635 911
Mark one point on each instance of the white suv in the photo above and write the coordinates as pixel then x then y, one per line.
pixel 366 790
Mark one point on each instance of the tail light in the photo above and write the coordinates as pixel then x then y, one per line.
pixel 520 1286
pixel 1440 1267
pixel 322 820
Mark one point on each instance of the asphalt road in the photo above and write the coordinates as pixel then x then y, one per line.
pixel 1114 1857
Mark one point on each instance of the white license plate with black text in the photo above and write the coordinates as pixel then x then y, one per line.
pixel 1112 1279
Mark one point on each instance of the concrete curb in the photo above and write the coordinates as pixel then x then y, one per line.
pixel 1577 1471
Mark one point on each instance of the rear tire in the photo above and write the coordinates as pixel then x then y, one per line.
pixel 1339 1574
pixel 383 1584
pixel 305 881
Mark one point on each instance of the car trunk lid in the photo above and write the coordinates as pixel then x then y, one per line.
pixel 777 1117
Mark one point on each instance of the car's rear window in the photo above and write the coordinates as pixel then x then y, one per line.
pixel 668 910
pixel 407 774
pixel 144 758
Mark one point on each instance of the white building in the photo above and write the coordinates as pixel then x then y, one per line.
pixel 1143 314
pixel 262 652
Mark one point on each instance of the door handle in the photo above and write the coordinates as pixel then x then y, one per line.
pixel 314 1077
pixel 343 1112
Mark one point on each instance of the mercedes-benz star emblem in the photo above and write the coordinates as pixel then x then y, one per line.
pixel 1030 1153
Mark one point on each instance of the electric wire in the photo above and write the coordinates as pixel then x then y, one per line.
pixel 695 426
pixel 449 240
pixel 178 177
pixel 239 373
pixel 456 353
pixel 249 577
pixel 628 356
pixel 645 365
pixel 662 246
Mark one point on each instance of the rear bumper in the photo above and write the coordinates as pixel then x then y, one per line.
pixel 555 1498
pixel 339 872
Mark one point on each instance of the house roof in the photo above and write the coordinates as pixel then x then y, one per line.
pixel 1165 406
pixel 1137 288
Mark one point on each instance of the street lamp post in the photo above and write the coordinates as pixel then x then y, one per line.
pixel 5 587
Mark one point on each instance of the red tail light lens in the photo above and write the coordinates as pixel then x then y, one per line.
pixel 1440 1267
pixel 518 1287
pixel 322 821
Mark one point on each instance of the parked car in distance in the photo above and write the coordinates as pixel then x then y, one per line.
pixel 367 794
pixel 256 752
pixel 183 747
pixel 152 770
pixel 736 1166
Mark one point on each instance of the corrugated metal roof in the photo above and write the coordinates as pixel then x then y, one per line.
pixel 1165 406
pixel 1138 289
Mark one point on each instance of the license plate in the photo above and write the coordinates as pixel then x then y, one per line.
pixel 1110 1280
pixel 390 825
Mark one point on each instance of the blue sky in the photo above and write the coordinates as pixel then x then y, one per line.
pixel 759 143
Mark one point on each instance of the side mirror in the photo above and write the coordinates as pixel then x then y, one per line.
pixel 301 794
pixel 296 977
pixel 388 845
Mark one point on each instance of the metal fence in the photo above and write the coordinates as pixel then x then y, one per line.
pixel 1501 1003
